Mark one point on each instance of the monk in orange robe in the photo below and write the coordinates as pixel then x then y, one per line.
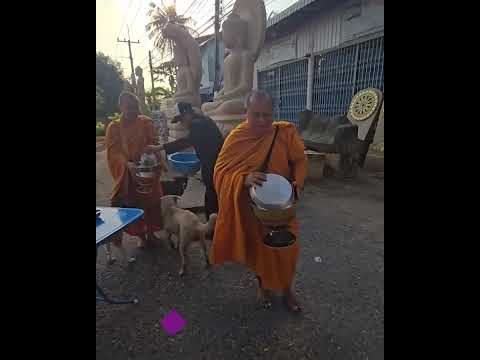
pixel 126 141
pixel 238 233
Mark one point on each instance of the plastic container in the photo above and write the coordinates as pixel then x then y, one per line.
pixel 185 163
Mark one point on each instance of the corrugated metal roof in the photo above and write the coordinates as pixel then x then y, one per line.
pixel 202 39
pixel 208 38
pixel 289 11
pixel 206 41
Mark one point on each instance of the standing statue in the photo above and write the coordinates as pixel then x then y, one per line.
pixel 243 35
pixel 140 85
pixel 189 73
pixel 128 87
pixel 188 62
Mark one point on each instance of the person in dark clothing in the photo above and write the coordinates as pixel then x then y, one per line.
pixel 207 140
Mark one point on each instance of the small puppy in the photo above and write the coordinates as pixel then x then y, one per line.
pixel 186 226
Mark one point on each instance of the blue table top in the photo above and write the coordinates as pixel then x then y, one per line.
pixel 112 220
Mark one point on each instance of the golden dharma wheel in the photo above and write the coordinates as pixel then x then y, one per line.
pixel 363 105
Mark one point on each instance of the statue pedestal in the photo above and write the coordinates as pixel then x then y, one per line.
pixel 227 123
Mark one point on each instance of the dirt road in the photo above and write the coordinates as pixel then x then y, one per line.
pixel 340 282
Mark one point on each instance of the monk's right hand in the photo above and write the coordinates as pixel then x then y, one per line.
pixel 150 149
pixel 255 178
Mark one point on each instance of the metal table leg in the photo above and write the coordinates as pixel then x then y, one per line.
pixel 104 298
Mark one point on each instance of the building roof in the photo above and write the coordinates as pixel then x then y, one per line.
pixel 296 14
pixel 202 39
pixel 206 38
pixel 293 15
pixel 288 11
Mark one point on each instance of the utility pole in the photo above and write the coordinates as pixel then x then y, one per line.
pixel 134 83
pixel 151 73
pixel 217 50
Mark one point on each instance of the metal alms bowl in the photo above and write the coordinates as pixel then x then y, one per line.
pixel 274 218
pixel 273 203
pixel 145 177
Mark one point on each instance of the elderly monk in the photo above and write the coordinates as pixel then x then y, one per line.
pixel 238 233
pixel 126 141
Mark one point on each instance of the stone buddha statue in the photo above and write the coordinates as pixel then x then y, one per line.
pixel 188 63
pixel 238 69
pixel 243 34
pixel 188 75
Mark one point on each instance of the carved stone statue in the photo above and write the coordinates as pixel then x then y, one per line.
pixel 140 84
pixel 127 86
pixel 243 35
pixel 188 63
pixel 189 73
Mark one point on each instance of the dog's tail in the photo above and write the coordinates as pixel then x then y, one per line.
pixel 209 227
pixel 211 223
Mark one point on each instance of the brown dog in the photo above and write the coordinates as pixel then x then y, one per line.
pixel 175 186
pixel 186 226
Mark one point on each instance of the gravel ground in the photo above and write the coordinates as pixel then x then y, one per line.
pixel 340 283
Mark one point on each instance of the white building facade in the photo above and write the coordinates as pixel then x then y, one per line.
pixel 319 53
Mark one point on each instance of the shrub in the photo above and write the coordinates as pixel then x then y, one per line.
pixel 100 129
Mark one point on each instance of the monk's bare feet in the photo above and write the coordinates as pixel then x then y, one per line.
pixel 264 298
pixel 291 301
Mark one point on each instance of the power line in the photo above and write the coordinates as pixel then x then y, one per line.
pixel 213 23
pixel 206 23
pixel 136 14
pixel 186 11
pixel 124 18
pixel 123 23
pixel 158 61
pixel 200 5
pixel 198 10
pixel 129 42
pixel 141 62
pixel 229 3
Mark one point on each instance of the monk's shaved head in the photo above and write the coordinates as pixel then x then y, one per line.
pixel 129 106
pixel 127 96
pixel 258 95
pixel 259 106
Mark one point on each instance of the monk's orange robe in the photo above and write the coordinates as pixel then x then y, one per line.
pixel 137 136
pixel 238 233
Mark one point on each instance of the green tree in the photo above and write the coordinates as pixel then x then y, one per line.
pixel 100 102
pixel 166 70
pixel 159 92
pixel 109 78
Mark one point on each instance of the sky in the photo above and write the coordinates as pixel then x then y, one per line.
pixel 115 18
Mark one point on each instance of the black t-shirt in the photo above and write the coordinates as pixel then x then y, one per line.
pixel 206 139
